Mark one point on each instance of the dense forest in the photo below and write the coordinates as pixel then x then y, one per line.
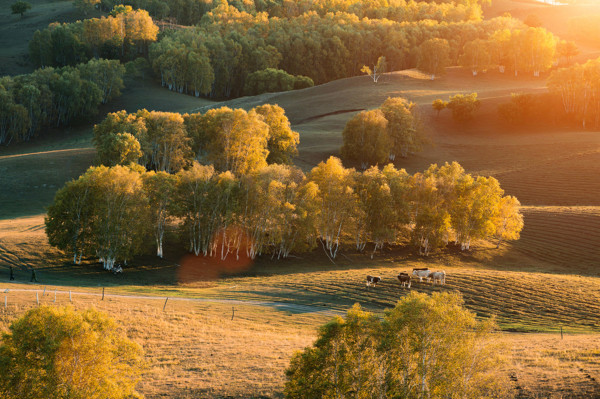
pixel 222 50
pixel 54 97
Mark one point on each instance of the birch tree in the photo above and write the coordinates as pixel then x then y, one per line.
pixel 159 188
pixel 70 216
pixel 165 143
pixel 379 68
pixel 476 56
pixel 425 347
pixel 434 57
pixel 194 208
pixel 236 140
pixel 283 141
pixel 405 130
pixel 508 220
pixel 438 348
pixel 376 207
pixel 366 139
pixel 57 352
pixel 120 208
pixel 474 209
pixel 337 202
pixel 107 75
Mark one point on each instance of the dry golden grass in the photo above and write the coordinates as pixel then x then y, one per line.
pixel 196 349
pixel 546 366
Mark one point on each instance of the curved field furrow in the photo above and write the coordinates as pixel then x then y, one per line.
pixel 569 180
pixel 518 300
pixel 567 236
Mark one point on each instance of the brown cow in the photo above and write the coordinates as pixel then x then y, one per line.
pixel 404 279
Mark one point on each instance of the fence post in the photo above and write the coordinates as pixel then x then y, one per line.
pixel 37 298
pixel 102 293
pixel 5 302
pixel 165 305
pixel 44 293
pixel 232 312
pixel 70 298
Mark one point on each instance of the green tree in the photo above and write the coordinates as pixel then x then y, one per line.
pixel 69 218
pixel 366 139
pixel 107 75
pixel 160 190
pixel 20 7
pixel 463 106
pixel 195 195
pixel 269 80
pixel 86 6
pixel 474 209
pixel 375 208
pixel 117 139
pixel 438 105
pixel 61 353
pixel 337 202
pixel 434 57
pixel 425 347
pixel 566 50
pixel 236 140
pixel 283 141
pixel 165 144
pixel 405 130
pixel 521 108
pixel 508 220
pixel 476 56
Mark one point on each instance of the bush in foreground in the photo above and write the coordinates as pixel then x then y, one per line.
pixel 62 353
pixel 426 347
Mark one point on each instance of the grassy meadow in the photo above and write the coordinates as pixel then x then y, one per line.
pixel 548 279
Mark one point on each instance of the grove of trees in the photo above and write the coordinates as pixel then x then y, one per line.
pixel 190 12
pixel 463 106
pixel 60 353
pixel 425 347
pixel 520 49
pixel 578 87
pixel 54 97
pixel 229 45
pixel 110 212
pixel 378 136
pixel 250 47
pixel 125 34
pixel 229 139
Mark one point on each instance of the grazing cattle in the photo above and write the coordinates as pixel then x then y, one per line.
pixel 373 280
pixel 440 277
pixel 404 279
pixel 421 273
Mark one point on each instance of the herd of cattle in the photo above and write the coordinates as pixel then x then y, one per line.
pixel 405 279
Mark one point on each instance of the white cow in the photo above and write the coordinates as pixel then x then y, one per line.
pixel 421 273
pixel 440 277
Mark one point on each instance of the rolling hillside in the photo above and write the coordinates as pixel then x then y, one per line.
pixel 548 279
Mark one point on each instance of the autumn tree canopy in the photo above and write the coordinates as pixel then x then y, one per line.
pixel 57 352
pixel 426 346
